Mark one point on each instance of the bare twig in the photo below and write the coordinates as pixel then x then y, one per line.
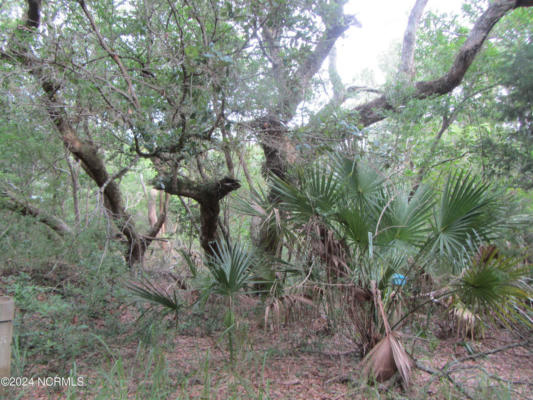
pixel 446 370
pixel 445 373
pixel 486 353
pixel 118 174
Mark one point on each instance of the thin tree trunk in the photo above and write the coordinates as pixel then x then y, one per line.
pixel 246 171
pixel 227 152
pixel 255 223
pixel 74 170
pixel 407 68
pixel 226 148
pixel 446 122
pixel 164 199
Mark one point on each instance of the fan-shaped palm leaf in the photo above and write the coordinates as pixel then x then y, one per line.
pixel 230 268
pixel 146 290
pixel 355 224
pixel 316 195
pixel 467 208
pixel 362 182
pixel 258 205
pixel 404 218
pixel 494 286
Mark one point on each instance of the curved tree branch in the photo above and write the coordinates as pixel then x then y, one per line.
pixel 12 203
pixel 208 195
pixel 134 100
pixel 375 110
pixel 335 27
pixel 85 151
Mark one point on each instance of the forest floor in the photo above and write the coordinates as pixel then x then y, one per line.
pixel 301 360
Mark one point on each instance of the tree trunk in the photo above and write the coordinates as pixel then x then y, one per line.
pixel 74 170
pixel 164 199
pixel 272 130
pixel 209 211
pixel 82 150
pixel 407 69
pixel 208 195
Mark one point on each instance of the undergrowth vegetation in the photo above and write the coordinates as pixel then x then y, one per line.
pixel 362 255
pixel 194 206
pixel 365 257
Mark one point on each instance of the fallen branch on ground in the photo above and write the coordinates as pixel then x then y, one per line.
pixel 447 369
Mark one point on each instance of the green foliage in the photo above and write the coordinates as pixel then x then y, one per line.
pixel 406 216
pixel 44 324
pixel 517 79
pixel 230 268
pixel 467 208
pixel 360 206
pixel 509 144
pixel 260 208
pixel 361 180
pixel 385 228
pixel 200 73
pixel 495 287
pixel 314 199
pixel 155 384
pixel 60 288
pixel 147 291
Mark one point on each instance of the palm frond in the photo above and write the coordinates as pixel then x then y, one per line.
pixel 230 268
pixel 404 218
pixel 494 287
pixel 355 224
pixel 147 291
pixel 467 208
pixel 315 195
pixel 257 205
pixel 388 356
pixel 361 181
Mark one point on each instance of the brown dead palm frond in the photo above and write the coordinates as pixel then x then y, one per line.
pixel 466 322
pixel 388 356
pixel 323 243
pixel 287 304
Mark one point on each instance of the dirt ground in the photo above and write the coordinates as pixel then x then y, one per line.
pixel 302 360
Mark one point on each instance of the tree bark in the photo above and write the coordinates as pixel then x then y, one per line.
pixel 164 199
pixel 83 150
pixel 275 145
pixel 208 195
pixel 12 203
pixel 74 170
pixel 376 110
pixel 153 219
pixel 407 69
